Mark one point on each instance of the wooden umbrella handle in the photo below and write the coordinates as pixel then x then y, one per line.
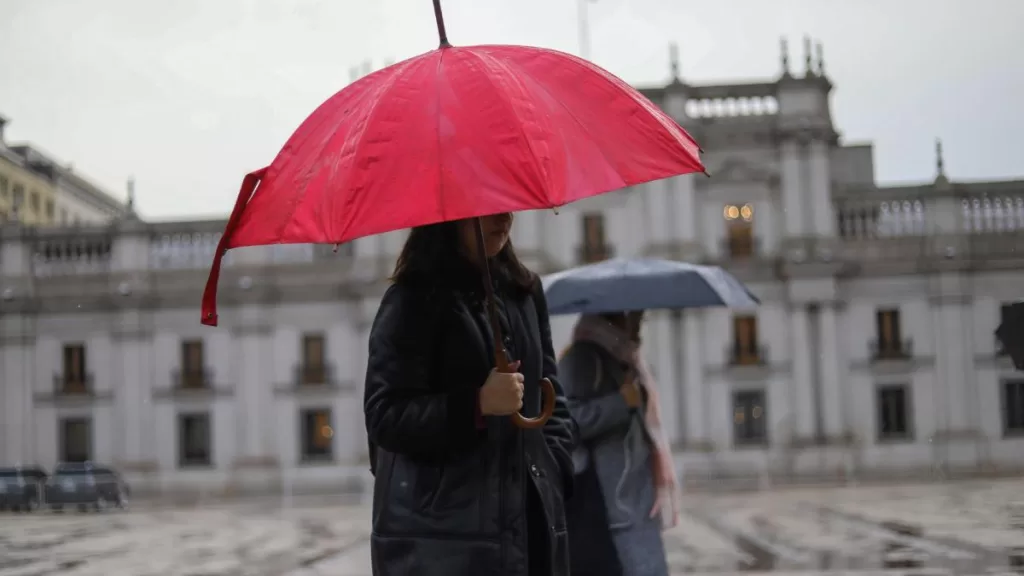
pixel 501 360
pixel 547 410
pixel 546 388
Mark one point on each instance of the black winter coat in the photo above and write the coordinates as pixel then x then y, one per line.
pixel 450 498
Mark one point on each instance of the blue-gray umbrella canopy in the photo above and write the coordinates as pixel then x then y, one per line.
pixel 622 284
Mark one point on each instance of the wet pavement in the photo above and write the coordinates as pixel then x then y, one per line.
pixel 925 530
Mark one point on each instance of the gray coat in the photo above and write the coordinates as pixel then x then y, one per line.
pixel 614 442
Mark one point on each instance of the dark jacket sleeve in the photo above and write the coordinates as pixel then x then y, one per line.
pixel 404 414
pixel 596 413
pixel 560 431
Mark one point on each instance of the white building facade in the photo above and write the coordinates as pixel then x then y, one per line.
pixel 873 352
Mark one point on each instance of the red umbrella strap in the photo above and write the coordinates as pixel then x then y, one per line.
pixel 249 185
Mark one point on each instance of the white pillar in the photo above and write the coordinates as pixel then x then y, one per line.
pixel 820 190
pixel 802 393
pixel 661 353
pixel 363 316
pixel 952 361
pixel 657 212
pixel 17 370
pixel 392 244
pixel 792 189
pixel 253 343
pixel 526 231
pixel 967 384
pixel 129 396
pixel 831 376
pixel 683 212
pixel 694 397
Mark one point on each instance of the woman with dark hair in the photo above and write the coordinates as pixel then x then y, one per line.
pixel 459 490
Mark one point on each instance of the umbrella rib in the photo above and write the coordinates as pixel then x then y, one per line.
pixel 437 134
pixel 672 128
pixel 307 175
pixel 385 87
pixel 575 118
pixel 643 101
pixel 488 59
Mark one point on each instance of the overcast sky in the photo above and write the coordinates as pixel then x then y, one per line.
pixel 188 95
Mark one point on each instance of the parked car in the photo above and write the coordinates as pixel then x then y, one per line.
pixel 86 485
pixel 21 488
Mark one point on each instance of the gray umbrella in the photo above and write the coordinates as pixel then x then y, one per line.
pixel 621 285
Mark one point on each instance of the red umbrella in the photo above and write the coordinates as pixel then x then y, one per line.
pixel 458 132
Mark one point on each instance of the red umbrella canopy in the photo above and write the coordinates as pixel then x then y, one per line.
pixel 455 133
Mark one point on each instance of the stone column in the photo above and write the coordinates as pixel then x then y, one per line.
pixel 695 395
pixel 252 337
pixel 361 350
pixel 792 189
pixel 17 371
pixel 364 311
pixel 831 376
pixel 526 234
pixel 685 221
pixel 801 390
pixel 132 389
pixel 823 219
pixel 657 214
pixel 661 354
pixel 953 359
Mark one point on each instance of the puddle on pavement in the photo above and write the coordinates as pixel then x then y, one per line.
pixel 897 555
pixel 895 546
pixel 763 560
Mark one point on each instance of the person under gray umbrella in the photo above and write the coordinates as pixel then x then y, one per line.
pixel 625 490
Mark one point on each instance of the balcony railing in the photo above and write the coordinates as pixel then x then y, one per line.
pixel 746 356
pixel 192 379
pixel 66 384
pixel 891 350
pixel 314 375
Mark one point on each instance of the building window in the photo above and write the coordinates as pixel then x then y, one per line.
pixel 193 369
pixel 75 439
pixel 739 230
pixel 74 379
pixel 4 183
pixel 595 246
pixel 894 413
pixel 33 201
pixel 1005 311
pixel 745 349
pixel 314 369
pixel 19 195
pixel 749 418
pixel 194 440
pixel 317 435
pixel 889 342
pixel 50 210
pixel 1013 407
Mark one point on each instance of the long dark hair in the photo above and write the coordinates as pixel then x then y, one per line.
pixel 432 258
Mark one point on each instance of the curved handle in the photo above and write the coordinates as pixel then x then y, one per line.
pixel 546 411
